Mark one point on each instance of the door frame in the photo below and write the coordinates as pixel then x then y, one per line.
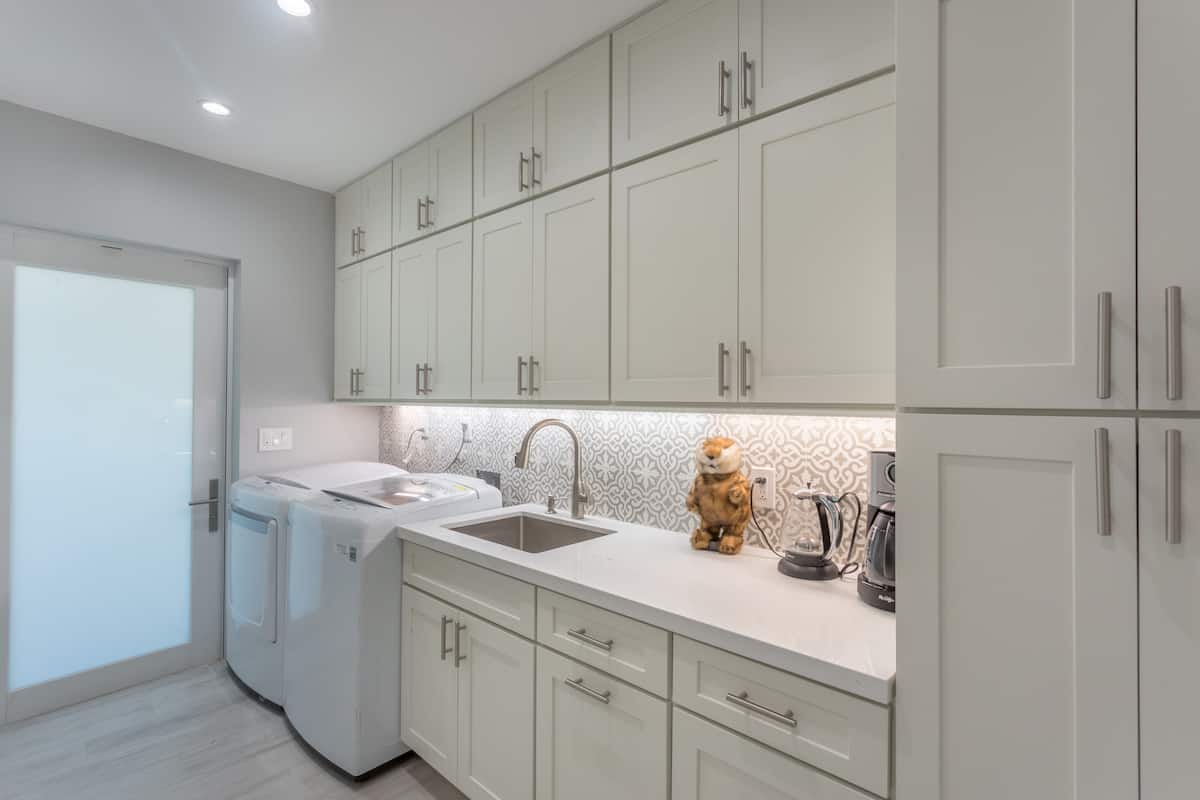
pixel 10 251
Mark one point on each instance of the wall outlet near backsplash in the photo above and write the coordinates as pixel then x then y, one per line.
pixel 762 484
pixel 638 465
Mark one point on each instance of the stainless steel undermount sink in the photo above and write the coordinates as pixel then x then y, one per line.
pixel 529 533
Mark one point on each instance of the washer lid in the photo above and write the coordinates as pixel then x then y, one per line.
pixel 338 473
pixel 400 490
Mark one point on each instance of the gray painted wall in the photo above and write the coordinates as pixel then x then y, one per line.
pixel 65 176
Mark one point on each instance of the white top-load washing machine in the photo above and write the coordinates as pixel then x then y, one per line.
pixel 342 651
pixel 256 564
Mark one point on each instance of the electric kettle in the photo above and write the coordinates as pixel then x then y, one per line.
pixel 807 555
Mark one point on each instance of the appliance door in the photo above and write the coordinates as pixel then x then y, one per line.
pixel 252 582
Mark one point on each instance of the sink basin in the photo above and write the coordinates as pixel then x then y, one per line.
pixel 529 533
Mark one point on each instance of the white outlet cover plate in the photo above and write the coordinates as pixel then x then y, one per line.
pixel 764 497
pixel 273 439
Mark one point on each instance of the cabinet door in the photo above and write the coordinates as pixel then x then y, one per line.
pixel 450 186
pixel 495 712
pixel 1018 213
pixel 375 383
pixel 449 260
pixel 570 293
pixel 1017 628
pixel 1170 606
pixel 675 275
pixel 429 681
pixel 347 330
pixel 1168 194
pixel 792 49
pixel 570 113
pixel 709 762
pixel 412 288
pixel 503 136
pixel 668 83
pixel 597 738
pixel 346 205
pixel 817 294
pixel 503 276
pixel 376 215
pixel 410 185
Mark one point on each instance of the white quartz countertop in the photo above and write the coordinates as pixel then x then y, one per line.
pixel 819 630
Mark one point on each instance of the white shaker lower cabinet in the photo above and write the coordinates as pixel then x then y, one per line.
pixel 1169 562
pixel 467 699
pixel 503 290
pixel 1017 225
pixel 1168 181
pixel 362 330
pixel 818 299
pixel 1006 691
pixel 597 738
pixel 712 763
pixel 675 275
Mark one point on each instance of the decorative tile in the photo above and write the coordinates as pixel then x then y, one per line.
pixel 638 464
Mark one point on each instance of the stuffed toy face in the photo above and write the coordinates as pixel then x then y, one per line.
pixel 718 456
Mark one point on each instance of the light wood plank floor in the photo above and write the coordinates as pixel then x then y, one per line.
pixel 196 735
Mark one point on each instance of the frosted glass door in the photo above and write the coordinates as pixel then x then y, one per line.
pixel 117 396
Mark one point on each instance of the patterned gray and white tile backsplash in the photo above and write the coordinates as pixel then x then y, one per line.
pixel 638 464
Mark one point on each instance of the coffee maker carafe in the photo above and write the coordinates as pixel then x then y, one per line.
pixel 877 579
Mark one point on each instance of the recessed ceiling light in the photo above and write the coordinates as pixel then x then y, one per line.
pixel 297 8
pixel 213 107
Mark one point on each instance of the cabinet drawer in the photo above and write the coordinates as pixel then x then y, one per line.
pixel 506 601
pixel 708 761
pixel 834 731
pixel 630 650
pixel 595 736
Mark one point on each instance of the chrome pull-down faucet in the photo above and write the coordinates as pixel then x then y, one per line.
pixel 579 495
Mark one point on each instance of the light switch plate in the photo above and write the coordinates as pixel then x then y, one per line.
pixel 272 439
pixel 764 493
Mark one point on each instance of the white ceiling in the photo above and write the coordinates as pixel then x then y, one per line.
pixel 316 100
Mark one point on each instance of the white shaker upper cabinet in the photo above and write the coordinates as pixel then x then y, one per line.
pixel 1168 195
pixel 1169 543
pixel 818 265
pixel 410 188
pixel 1017 632
pixel 363 217
pixel 449 262
pixel 450 187
pixel 791 49
pixel 412 286
pixel 347 331
pixel 570 113
pixel 346 204
pixel 375 380
pixel 1015 236
pixel 503 135
pixel 503 275
pixel 570 293
pixel 675 275
pixel 674 75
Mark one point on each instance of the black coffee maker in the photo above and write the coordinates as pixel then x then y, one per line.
pixel 877 579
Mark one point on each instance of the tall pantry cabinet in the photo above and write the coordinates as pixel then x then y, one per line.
pixel 1049 635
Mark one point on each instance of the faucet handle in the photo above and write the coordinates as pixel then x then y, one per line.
pixel 551 505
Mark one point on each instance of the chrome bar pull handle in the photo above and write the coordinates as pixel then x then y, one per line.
pixel 747 81
pixel 428 371
pixel 744 368
pixel 722 74
pixel 577 685
pixel 533 364
pixel 420 208
pixel 582 635
pixel 458 656
pixel 445 650
pixel 1104 345
pixel 535 157
pixel 1174 492
pixel 213 502
pixel 743 700
pixel 417 379
pixel 520 375
pixel 521 162
pixel 1103 484
pixel 428 208
pixel 722 354
pixel 1174 343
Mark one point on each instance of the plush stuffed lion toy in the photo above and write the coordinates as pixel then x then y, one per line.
pixel 720 495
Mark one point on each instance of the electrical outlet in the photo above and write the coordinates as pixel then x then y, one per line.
pixel 762 483
pixel 466 433
pixel 271 439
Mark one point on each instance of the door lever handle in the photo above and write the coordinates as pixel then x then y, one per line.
pixel 213 501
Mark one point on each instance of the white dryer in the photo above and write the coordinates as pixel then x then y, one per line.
pixel 256 564
pixel 342 652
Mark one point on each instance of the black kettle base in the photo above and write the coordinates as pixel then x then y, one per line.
pixel 876 594
pixel 809 569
